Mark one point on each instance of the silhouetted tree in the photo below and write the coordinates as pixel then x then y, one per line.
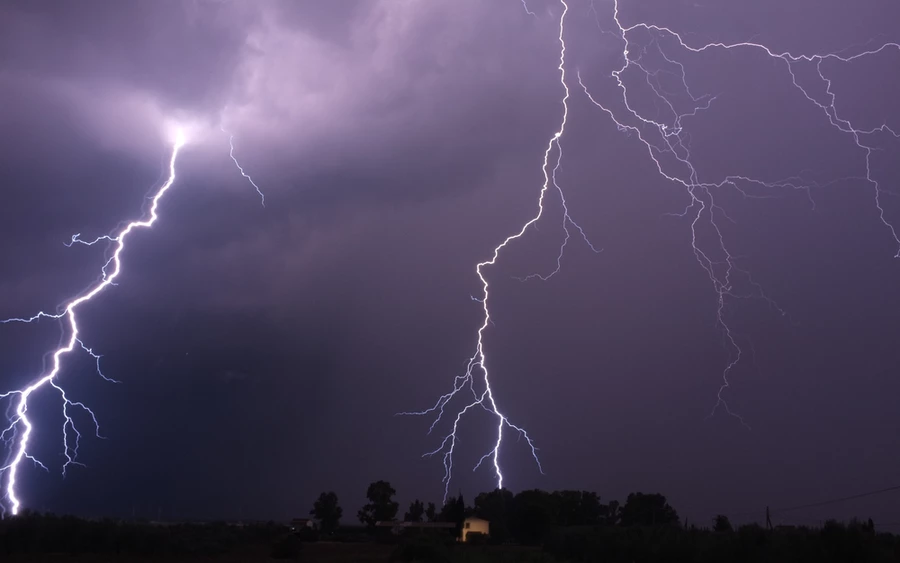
pixel 647 510
pixel 416 511
pixel 431 512
pixel 461 507
pixel 327 511
pixel 535 514
pixel 496 507
pixel 721 523
pixel 381 505
pixel 578 508
pixel 590 511
pixel 454 511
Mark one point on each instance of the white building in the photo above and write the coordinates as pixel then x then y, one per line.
pixel 475 525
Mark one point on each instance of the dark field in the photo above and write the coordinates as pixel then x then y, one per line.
pixel 35 537
pixel 324 552
pixel 316 552
pixel 47 538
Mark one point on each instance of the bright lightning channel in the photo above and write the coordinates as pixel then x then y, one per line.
pixel 478 362
pixel 20 427
pixel 18 432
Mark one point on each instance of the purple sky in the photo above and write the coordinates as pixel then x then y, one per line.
pixel 263 352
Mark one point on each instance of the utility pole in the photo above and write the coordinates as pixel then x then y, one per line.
pixel 768 519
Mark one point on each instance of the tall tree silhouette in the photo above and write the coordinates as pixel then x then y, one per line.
pixel 454 511
pixel 535 514
pixel 578 508
pixel 721 523
pixel 497 508
pixel 415 512
pixel 327 510
pixel 381 505
pixel 647 510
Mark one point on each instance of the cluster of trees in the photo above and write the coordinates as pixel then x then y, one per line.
pixel 577 526
pixel 525 517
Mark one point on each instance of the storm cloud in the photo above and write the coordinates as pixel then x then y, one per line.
pixel 263 351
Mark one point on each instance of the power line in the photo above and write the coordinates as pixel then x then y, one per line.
pixel 817 503
pixel 837 500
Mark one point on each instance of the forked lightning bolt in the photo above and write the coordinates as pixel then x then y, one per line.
pixel 17 434
pixel 668 144
pixel 19 430
pixel 477 369
pixel 670 138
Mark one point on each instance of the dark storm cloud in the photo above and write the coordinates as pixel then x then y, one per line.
pixel 168 48
pixel 333 105
pixel 288 77
pixel 334 108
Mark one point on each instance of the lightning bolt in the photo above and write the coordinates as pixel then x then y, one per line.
pixel 238 164
pixel 667 141
pixel 829 109
pixel 476 367
pixel 525 7
pixel 669 138
pixel 18 432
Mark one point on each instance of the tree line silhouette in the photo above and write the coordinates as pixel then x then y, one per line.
pixel 525 518
pixel 528 526
pixel 572 525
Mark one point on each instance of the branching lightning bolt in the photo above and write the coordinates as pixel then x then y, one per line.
pixel 668 145
pixel 478 362
pixel 669 137
pixel 17 433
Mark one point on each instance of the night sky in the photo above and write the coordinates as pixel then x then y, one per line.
pixel 264 351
